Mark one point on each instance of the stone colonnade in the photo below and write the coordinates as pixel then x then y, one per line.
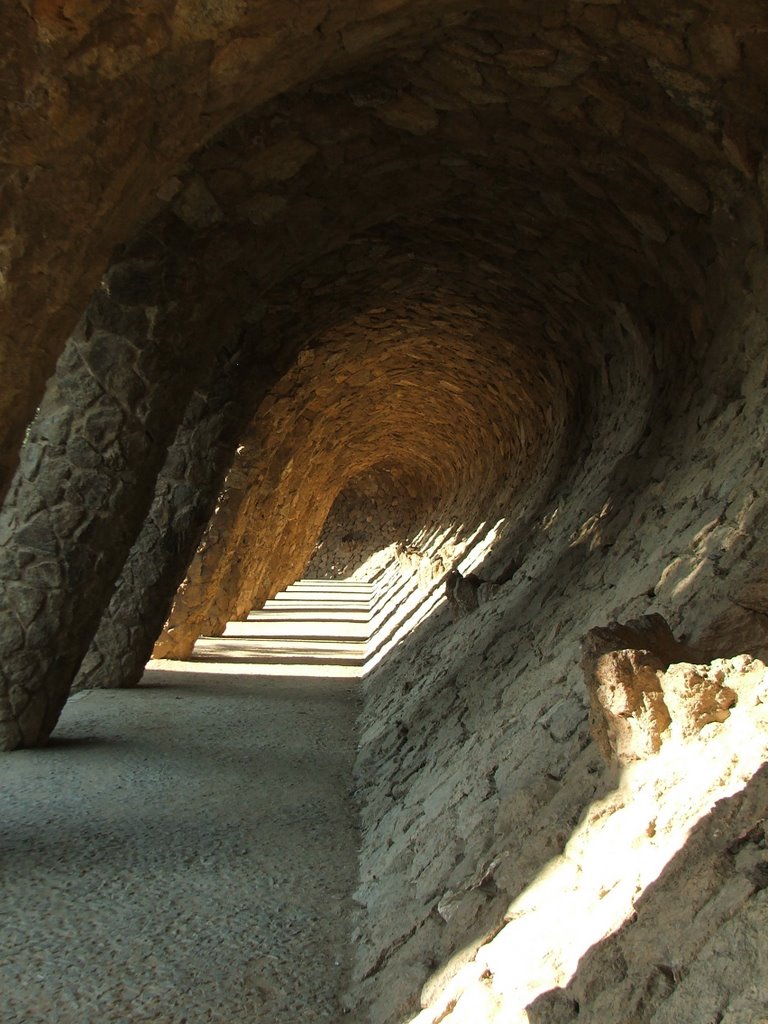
pixel 374 232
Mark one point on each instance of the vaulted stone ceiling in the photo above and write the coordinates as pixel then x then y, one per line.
pixel 604 134
pixel 455 235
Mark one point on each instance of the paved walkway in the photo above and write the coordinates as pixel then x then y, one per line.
pixel 313 623
pixel 184 853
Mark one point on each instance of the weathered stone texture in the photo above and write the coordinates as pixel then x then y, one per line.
pixel 377 511
pixel 629 713
pixel 483 725
pixel 517 252
pixel 696 697
pixel 186 491
pixel 636 694
pixel 691 949
pixel 82 491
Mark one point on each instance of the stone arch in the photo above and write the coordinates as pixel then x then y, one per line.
pixel 597 69
pixel 377 510
pixel 325 235
pixel 603 163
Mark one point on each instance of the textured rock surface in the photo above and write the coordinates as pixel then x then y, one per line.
pixel 487 887
pixel 83 488
pixel 696 696
pixel 629 713
pixel 515 252
pixel 375 512
pixel 186 490
pixel 636 695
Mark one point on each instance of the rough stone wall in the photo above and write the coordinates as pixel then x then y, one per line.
pixel 657 889
pixel 374 512
pixel 477 769
pixel 521 251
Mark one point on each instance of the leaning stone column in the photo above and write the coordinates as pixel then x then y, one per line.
pixel 257 545
pixel 186 492
pixel 233 543
pixel 223 555
pixel 218 557
pixel 304 510
pixel 84 484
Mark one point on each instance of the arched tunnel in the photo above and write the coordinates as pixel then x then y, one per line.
pixel 504 266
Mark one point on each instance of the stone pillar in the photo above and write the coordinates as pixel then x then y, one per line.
pixel 201 604
pixel 283 561
pixel 84 485
pixel 186 492
pixel 192 613
pixel 256 545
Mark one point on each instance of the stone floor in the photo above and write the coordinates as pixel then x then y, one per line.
pixel 183 853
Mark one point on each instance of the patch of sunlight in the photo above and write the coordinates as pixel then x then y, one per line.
pixel 621 845
pixel 401 606
pixel 373 564
pixel 403 601
pixel 315 628
pixel 285 670
pixel 476 553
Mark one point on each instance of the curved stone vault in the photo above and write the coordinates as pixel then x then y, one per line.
pixel 509 257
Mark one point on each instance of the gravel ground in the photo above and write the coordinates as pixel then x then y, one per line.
pixel 181 853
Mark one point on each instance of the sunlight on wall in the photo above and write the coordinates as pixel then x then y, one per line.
pixel 621 845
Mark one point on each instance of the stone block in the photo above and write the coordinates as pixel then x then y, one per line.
pixel 55 423
pixel 135 283
pixel 30 459
pixel 197 207
pixel 628 713
pixel 553 1007
pixel 38 536
pixel 102 426
pixel 695 696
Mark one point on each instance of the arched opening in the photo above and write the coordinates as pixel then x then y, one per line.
pixel 502 268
